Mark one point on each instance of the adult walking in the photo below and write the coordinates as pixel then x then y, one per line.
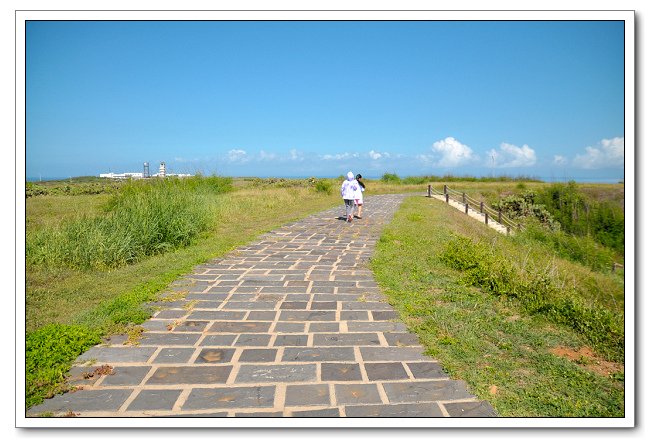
pixel 358 197
pixel 348 191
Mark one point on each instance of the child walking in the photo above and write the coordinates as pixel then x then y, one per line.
pixel 358 197
pixel 348 190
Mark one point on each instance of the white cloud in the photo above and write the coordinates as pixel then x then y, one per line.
pixel 266 156
pixel 609 153
pixel 511 156
pixel 559 160
pixel 344 156
pixel 296 155
pixel 238 155
pixel 452 152
pixel 374 155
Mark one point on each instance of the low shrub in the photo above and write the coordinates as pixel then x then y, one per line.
pixel 390 178
pixel 535 290
pixel 142 219
pixel 49 354
pixel 323 186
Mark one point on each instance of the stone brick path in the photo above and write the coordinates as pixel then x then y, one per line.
pixel 292 325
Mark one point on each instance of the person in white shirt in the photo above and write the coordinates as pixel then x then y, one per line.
pixel 348 191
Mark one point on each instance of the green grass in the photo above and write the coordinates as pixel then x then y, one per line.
pixel 501 348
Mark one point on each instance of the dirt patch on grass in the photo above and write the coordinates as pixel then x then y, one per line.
pixel 586 358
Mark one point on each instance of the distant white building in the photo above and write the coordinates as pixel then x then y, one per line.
pixel 122 175
pixel 162 172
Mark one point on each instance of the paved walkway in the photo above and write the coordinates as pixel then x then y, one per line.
pixel 292 325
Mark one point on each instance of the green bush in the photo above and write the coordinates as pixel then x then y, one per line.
pixel 390 178
pixel 142 219
pixel 49 353
pixel 535 291
pixel 323 186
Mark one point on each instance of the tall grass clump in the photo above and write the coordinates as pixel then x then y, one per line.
pixel 536 290
pixel 142 219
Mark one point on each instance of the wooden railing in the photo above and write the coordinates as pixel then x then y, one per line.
pixel 477 206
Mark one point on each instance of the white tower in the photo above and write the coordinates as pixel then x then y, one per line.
pixel 161 170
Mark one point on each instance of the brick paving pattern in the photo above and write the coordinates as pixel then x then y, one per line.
pixel 292 325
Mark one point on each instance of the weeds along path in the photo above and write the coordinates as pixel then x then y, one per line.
pixel 292 325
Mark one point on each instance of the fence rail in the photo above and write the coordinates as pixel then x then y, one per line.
pixel 477 206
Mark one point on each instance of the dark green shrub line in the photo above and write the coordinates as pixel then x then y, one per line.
pixel 418 180
pixel 536 292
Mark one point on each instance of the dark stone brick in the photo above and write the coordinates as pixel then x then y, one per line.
pixel 401 339
pixel 173 355
pixel 289 327
pixel 324 327
pixel 252 373
pixel 150 400
pixel 421 370
pixel 84 400
pixel 378 371
pixel 253 340
pixel 357 394
pixel 191 326
pixel 239 327
pixel 218 315
pixel 180 339
pixel 308 316
pixel 293 340
pixel 307 395
pixel 170 314
pixel 419 391
pixel 215 355
pixel 126 376
pixel 346 339
pixel 294 306
pixel 230 397
pixel 258 355
pixel 219 340
pixel 190 375
pixel 261 315
pixel 316 354
pixel 470 409
pixel 399 410
pixel 323 306
pixel 249 305
pixel 330 412
pixel 392 354
pixel 116 354
pixel 384 315
pixel 354 315
pixel 340 372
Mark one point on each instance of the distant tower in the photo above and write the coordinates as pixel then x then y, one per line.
pixel 145 173
pixel 161 170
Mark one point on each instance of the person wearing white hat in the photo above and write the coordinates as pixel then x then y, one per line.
pixel 349 188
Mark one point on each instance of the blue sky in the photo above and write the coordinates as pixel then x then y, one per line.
pixel 298 99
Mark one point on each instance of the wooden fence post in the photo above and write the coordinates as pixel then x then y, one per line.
pixel 447 197
pixel 486 218
pixel 429 191
pixel 466 208
pixel 499 216
pixel 481 206
pixel 464 198
pixel 445 189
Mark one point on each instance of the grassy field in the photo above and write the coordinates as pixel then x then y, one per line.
pixel 77 291
pixel 526 360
